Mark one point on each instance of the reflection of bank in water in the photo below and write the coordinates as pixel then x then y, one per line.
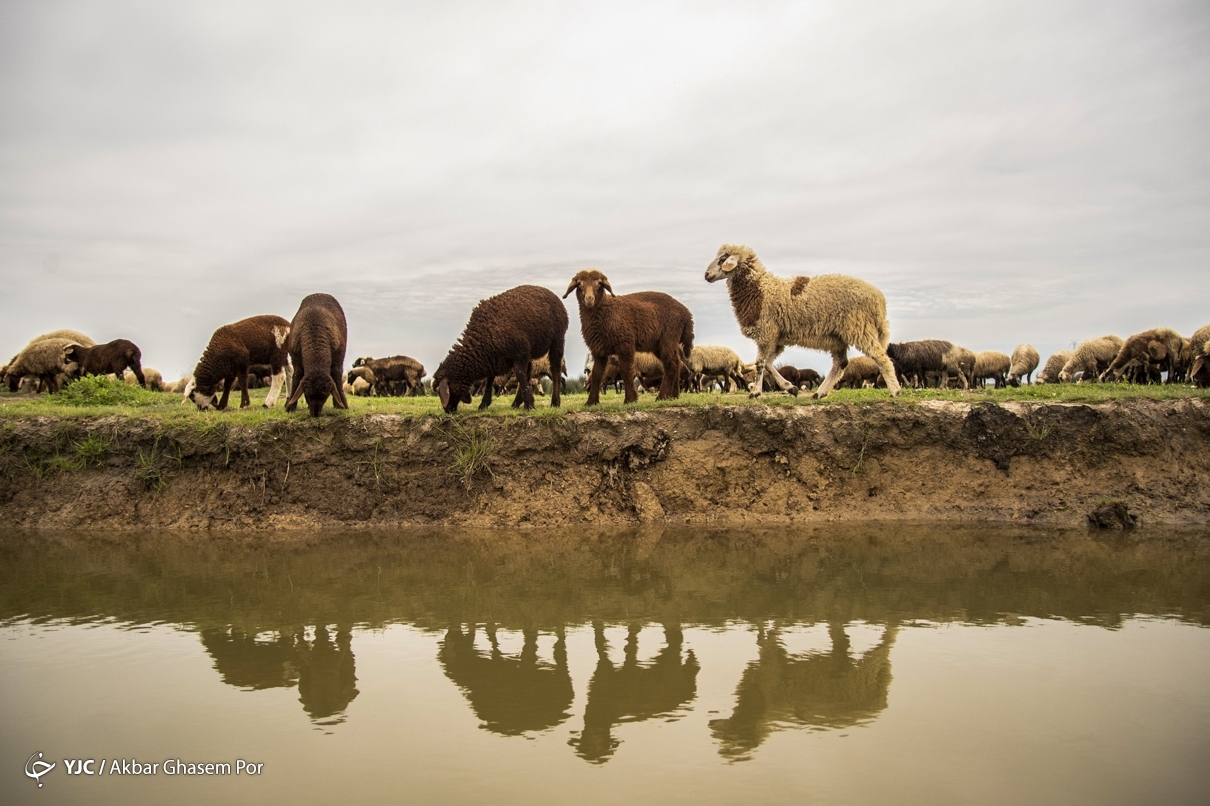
pixel 781 690
pixel 322 668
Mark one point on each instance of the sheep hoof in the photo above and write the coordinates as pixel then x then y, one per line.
pixel 753 395
pixel 815 396
pixel 793 391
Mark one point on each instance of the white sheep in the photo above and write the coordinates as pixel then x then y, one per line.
pixel 1091 358
pixel 829 312
pixel 715 360
pixel 991 364
pixel 42 359
pixel 1054 367
pixel 155 380
pixel 1024 361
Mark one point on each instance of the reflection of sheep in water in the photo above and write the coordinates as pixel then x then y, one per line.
pixel 511 695
pixel 829 312
pixel 324 669
pixel 818 689
pixel 633 692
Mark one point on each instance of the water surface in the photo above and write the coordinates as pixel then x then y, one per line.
pixel 865 664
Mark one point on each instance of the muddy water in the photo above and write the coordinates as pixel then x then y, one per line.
pixel 879 664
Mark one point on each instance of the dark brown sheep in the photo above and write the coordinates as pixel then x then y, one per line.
pixel 809 379
pixel 1162 346
pixel 646 320
pixel 396 374
pixel 232 350
pixel 505 332
pixel 916 360
pixel 115 356
pixel 318 336
pixel 860 370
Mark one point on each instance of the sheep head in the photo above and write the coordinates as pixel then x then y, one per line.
pixel 590 287
pixel 728 259
pixel 451 394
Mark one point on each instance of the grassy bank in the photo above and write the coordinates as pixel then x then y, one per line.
pixel 105 398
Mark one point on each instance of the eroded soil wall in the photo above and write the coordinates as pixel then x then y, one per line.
pixel 1049 464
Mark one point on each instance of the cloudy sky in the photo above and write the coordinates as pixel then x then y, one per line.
pixel 1003 171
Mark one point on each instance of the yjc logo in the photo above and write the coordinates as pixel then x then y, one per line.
pixel 36 769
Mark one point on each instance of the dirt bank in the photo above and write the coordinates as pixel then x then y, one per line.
pixel 1043 463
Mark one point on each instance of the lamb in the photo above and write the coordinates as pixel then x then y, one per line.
pixel 113 357
pixel 45 360
pixel 509 330
pixel 1054 367
pixel 1161 345
pixel 318 336
pixel 395 373
pixel 1024 361
pixel 914 361
pixel 809 378
pixel 715 360
pixel 232 349
pixel 155 381
pixel 643 321
pixel 1199 348
pixel 1091 358
pixel 994 365
pixel 829 312
pixel 861 370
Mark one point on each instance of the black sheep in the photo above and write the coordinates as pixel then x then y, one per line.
pixel 505 333
pixel 117 356
pixel 914 360
pixel 318 336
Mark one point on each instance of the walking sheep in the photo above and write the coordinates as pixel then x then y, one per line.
pixel 1091 358
pixel 507 331
pixel 1024 361
pixel 1054 367
pixel 829 312
pixel 113 357
pixel 1160 345
pixel 318 335
pixel 232 349
pixel 645 320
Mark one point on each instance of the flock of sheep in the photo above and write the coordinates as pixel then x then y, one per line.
pixel 517 337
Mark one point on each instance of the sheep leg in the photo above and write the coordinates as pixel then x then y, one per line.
pixel 670 384
pixel 594 379
pixel 244 399
pixel 488 387
pixel 556 381
pixel 887 369
pixel 840 360
pixel 222 401
pixel 781 382
pixel 626 371
pixel 275 388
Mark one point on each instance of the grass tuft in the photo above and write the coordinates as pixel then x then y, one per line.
pixel 99 390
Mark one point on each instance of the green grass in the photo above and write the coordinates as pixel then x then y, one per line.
pixel 100 397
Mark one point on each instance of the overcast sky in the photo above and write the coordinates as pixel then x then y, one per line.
pixel 1003 171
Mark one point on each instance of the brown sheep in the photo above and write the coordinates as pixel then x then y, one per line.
pixel 232 349
pixel 318 336
pixel 1160 345
pixel 114 357
pixel 650 321
pixel 861 370
pixel 507 331
pixel 1199 348
pixel 397 374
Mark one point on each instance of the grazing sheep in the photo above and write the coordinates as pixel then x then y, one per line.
pixel 1091 358
pixel 915 361
pixel 396 374
pixel 1199 349
pixel 715 361
pixel 507 331
pixel 155 381
pixel 829 312
pixel 1024 361
pixel 183 387
pixel 648 321
pixel 648 370
pixel 1161 345
pixel 44 361
pixel 74 335
pixel 318 335
pixel 1054 367
pixel 612 379
pixel 361 387
pixel 960 362
pixel 114 357
pixel 860 372
pixel 809 379
pixel 232 349
pixel 994 365
pixel 366 376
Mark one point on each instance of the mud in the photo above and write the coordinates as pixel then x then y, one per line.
pixel 1052 464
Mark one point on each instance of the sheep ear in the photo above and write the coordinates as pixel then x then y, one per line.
pixel 570 288
pixel 443 392
pixel 730 263
pixel 605 285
